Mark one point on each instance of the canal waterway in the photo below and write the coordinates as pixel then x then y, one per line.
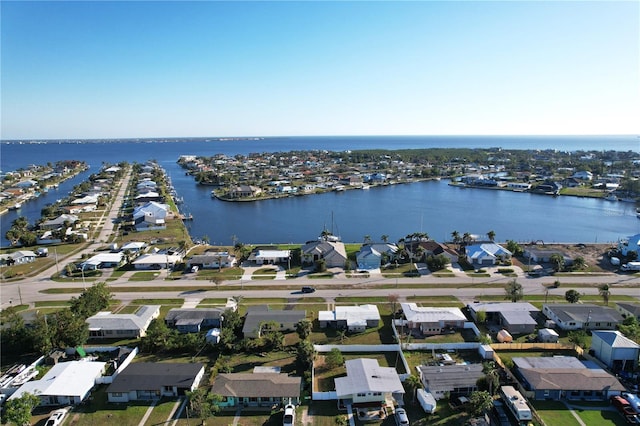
pixel 432 207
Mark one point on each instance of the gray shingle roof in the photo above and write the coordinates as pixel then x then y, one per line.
pixel 256 385
pixel 150 376
pixel 585 313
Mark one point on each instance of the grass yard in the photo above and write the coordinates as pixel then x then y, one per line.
pixel 145 276
pixel 99 412
pixel 600 417
pixel 554 413
pixel 161 411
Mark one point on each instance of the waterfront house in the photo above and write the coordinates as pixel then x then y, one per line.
pixel 434 248
pixel 616 351
pixel 194 320
pixel 371 256
pixel 59 222
pixel 583 175
pixel 332 252
pixel 107 325
pixel 430 320
pixel 154 380
pixel 244 191
pixel 134 247
pixel 629 245
pixel 628 309
pixel 259 318
pixel 212 260
pixel 574 316
pixel 87 199
pixel 256 389
pixel 486 254
pixel 151 215
pixel 516 318
pixel 564 377
pixel 543 255
pixel 453 380
pixel 351 318
pixel 269 257
pixel 367 384
pixel 66 383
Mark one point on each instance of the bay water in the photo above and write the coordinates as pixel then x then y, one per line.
pixel 397 210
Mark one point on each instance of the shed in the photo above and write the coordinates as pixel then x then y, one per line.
pixel 504 336
pixel 485 351
pixel 548 335
pixel 213 336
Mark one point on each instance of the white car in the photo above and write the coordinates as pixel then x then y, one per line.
pixel 57 417
pixel 401 417
pixel 289 418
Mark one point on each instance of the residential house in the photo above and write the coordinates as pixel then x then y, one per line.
pixel 615 350
pixel 153 380
pixel 367 384
pixel 453 380
pixel 86 200
pixel 59 222
pixel 371 256
pixel 151 215
pixel 21 257
pixel 565 377
pixel 434 248
pixel 269 257
pixel 106 325
pixel 574 316
pixel 259 317
pixel 104 260
pixel 629 245
pixel 516 318
pixel 332 252
pixel 628 309
pixel 351 318
pixel 256 389
pixel 430 321
pixel 148 196
pixel 543 255
pixel 134 247
pixel 157 261
pixel 486 254
pixel 583 175
pixel 548 187
pixel 212 260
pixel 66 383
pixel 194 320
pixel 244 191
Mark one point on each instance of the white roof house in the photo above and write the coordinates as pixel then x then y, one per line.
pixel 430 320
pixel 366 381
pixel 152 209
pixel 108 260
pixel 270 256
pixel 156 261
pixel 66 383
pixel 353 318
pixel 486 253
pixel 134 246
pixel 89 199
pixel 109 325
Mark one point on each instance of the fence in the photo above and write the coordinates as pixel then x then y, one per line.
pixel 533 346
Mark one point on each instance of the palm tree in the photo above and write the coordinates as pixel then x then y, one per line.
pixel 367 239
pixel 342 334
pixel 413 383
pixel 491 235
pixel 604 292
pixel 455 235
pixel 384 238
pixel 467 238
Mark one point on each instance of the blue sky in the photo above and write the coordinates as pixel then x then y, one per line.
pixel 170 69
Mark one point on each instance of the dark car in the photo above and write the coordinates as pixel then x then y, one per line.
pixel 307 289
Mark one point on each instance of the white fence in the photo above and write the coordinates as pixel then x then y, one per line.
pixel 440 346
pixel 109 379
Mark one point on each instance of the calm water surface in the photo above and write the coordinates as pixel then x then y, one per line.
pixel 431 207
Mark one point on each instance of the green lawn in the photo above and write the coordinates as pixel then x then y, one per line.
pixel 101 413
pixel 554 413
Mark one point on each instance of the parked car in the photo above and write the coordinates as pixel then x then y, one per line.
pixel 401 417
pixel 308 289
pixel 57 417
pixel 289 418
